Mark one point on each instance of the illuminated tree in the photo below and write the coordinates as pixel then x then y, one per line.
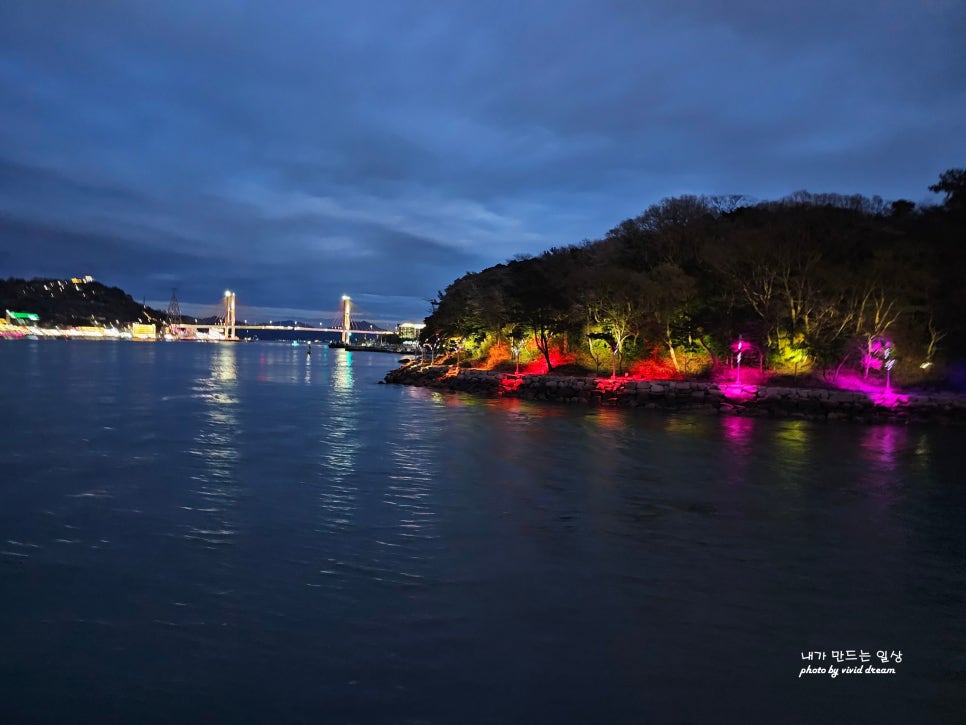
pixel 537 297
pixel 613 299
pixel 669 291
pixel 815 278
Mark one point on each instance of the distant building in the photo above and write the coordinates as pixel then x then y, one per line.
pixel 21 318
pixel 409 330
pixel 17 324
pixel 82 280
pixel 142 331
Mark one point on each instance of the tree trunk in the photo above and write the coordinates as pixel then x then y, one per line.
pixel 543 345
pixel 714 360
pixel 670 348
pixel 839 368
pixel 593 355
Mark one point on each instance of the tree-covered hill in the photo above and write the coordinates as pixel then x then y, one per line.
pixel 817 283
pixel 61 303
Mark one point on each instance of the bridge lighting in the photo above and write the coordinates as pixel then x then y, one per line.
pixel 346 318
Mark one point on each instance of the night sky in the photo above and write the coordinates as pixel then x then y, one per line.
pixel 296 150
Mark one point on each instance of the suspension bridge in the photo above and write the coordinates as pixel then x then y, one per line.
pixel 226 327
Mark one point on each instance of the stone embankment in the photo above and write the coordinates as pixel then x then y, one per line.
pixel 749 400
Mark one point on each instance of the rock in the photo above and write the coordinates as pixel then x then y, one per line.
pixel 819 404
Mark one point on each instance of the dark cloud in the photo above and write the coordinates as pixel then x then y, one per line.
pixel 297 150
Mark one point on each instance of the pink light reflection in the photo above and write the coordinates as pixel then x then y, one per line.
pixel 881 443
pixel 738 429
pixel 881 447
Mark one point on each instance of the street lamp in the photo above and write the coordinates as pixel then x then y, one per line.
pixel 740 346
pixel 888 362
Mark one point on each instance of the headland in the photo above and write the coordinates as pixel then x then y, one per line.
pixel 828 404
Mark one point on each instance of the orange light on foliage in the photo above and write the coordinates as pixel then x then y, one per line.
pixel 499 352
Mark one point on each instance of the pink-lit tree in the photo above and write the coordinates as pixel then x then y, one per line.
pixel 877 310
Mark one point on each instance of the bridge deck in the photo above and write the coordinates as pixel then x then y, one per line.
pixel 338 330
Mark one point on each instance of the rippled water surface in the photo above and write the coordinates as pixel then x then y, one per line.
pixel 239 532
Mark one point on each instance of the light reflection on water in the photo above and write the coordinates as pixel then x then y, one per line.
pixel 361 552
pixel 738 430
pixel 341 442
pixel 217 449
pixel 739 433
pixel 793 437
pixel 339 448
pixel 882 444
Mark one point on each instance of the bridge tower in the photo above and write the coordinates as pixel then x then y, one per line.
pixel 174 309
pixel 174 316
pixel 346 318
pixel 229 315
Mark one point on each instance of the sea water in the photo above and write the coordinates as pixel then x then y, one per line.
pixel 243 532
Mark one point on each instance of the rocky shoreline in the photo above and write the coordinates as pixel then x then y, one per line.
pixel 734 399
